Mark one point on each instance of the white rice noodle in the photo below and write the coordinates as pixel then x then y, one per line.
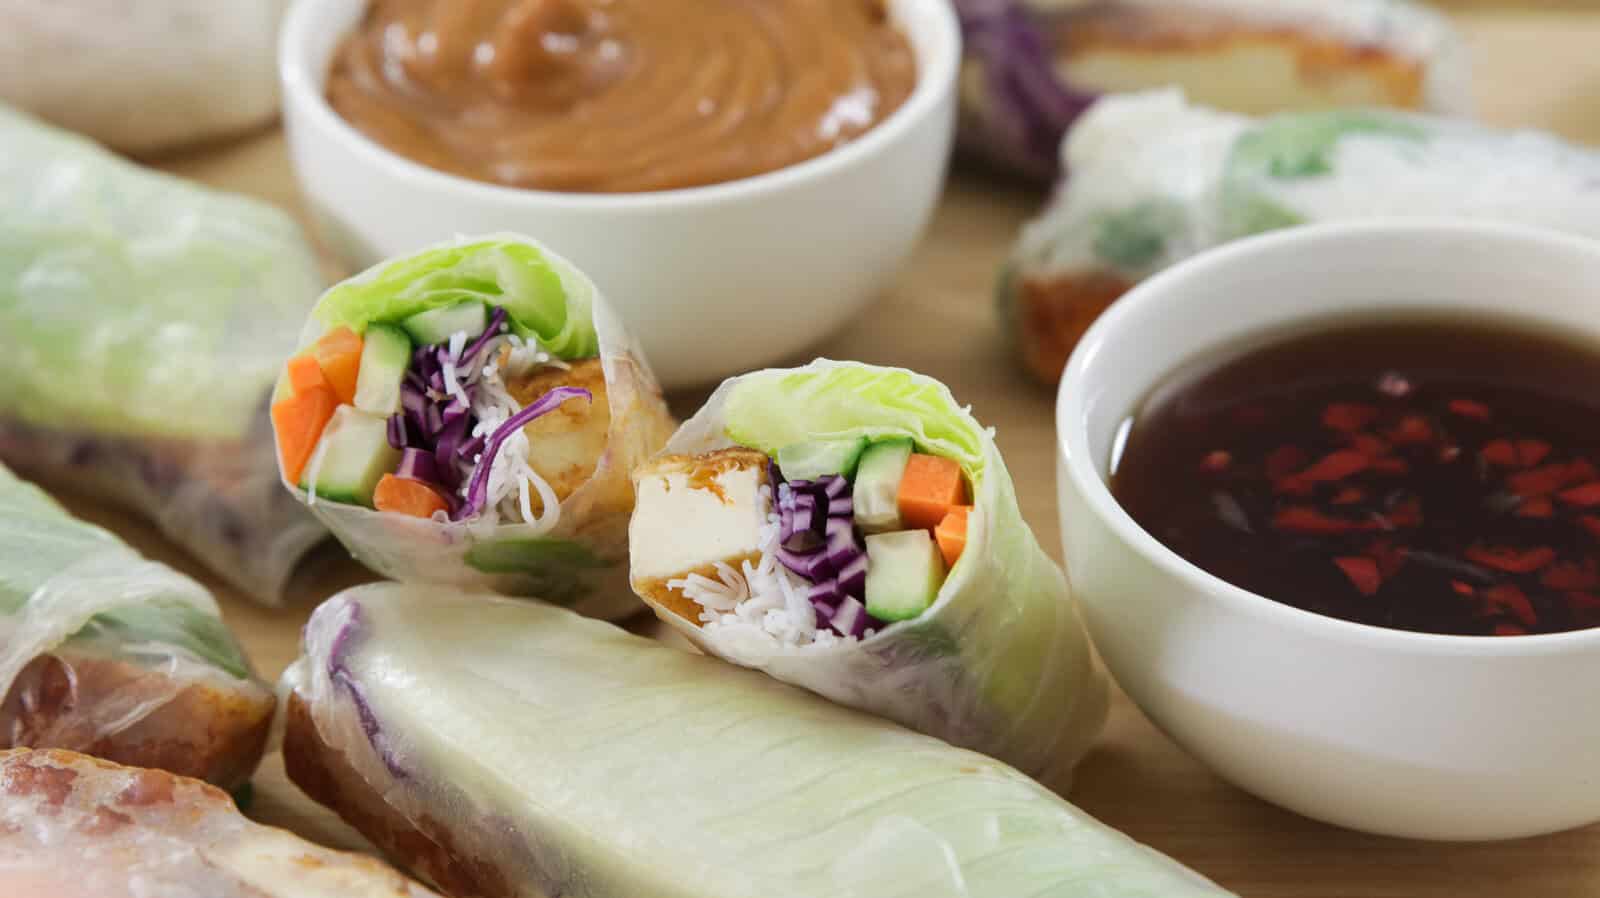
pixel 762 597
pixel 512 481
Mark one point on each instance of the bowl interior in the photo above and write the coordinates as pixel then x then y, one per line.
pixel 314 29
pixel 1224 301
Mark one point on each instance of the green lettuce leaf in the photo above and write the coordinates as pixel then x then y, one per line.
pixel 540 303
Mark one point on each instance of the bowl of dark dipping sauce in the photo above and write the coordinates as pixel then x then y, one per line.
pixel 1331 501
pixel 738 177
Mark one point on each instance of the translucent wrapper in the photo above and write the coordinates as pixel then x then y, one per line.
pixel 1156 179
pixel 582 561
pixel 72 826
pixel 545 754
pixel 142 321
pixel 1033 66
pixel 1000 662
pixel 143 76
pixel 104 652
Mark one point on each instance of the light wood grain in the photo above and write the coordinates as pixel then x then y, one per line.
pixel 1538 70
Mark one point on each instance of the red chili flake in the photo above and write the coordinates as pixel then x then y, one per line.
pixel 1348 417
pixel 1304 519
pixel 1394 385
pixel 1412 429
pixel 1363 573
pixel 1509 630
pixel 1407 513
pixel 1333 466
pixel 1586 496
pixel 1392 466
pixel 1550 478
pixel 1590 523
pixel 1216 462
pixel 1449 454
pixel 1512 561
pixel 1537 507
pixel 1531 452
pixel 1509 597
pixel 1469 408
pixel 1390 560
pixel 1500 452
pixel 1462 589
pixel 1369 445
pixel 1285 460
pixel 1571 575
pixel 1350 495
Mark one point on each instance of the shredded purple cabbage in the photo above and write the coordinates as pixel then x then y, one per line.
pixel 819 543
pixel 478 489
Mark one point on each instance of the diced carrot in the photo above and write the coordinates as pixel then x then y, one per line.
pixel 298 422
pixel 404 495
pixel 305 374
pixel 339 353
pixel 930 486
pixel 952 534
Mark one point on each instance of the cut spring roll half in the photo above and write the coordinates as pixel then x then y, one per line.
pixel 143 320
pixel 72 826
pixel 544 754
pixel 1157 179
pixel 1033 66
pixel 468 415
pixel 853 530
pixel 104 652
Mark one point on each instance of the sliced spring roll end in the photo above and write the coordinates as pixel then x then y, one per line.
pixel 205 731
pixel 423 847
pixel 692 513
pixel 1051 312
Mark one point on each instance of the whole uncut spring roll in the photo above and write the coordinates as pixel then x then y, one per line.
pixel 107 653
pixel 506 749
pixel 853 530
pixel 72 826
pixel 1156 179
pixel 1033 66
pixel 468 415
pixel 143 320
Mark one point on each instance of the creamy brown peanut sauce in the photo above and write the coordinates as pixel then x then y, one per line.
pixel 619 95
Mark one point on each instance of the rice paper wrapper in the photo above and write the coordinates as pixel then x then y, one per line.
pixel 582 562
pixel 104 651
pixel 73 826
pixel 546 754
pixel 1000 663
pixel 142 322
pixel 1156 179
pixel 1033 66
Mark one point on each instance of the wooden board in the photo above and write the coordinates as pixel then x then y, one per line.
pixel 1533 69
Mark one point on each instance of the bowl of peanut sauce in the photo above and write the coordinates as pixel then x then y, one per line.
pixel 739 176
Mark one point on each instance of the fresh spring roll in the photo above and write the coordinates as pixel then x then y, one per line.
pixel 1156 179
pixel 468 415
pixel 1033 66
pixel 142 323
pixel 107 653
pixel 852 530
pixel 78 827
pixel 543 754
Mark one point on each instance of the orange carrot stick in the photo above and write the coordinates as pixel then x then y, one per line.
pixel 951 534
pixel 930 487
pixel 298 421
pixel 339 353
pixel 406 496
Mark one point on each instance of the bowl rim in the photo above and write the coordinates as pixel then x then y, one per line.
pixel 302 85
pixel 1076 460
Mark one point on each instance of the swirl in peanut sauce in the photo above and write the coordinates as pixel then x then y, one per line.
pixel 619 95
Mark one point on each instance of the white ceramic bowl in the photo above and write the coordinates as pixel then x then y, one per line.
pixel 712 280
pixel 1398 733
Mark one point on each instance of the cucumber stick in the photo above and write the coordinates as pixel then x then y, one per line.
pixel 819 458
pixel 385 355
pixel 439 325
pixel 352 456
pixel 877 489
pixel 904 574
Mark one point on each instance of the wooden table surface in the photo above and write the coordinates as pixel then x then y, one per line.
pixel 1538 70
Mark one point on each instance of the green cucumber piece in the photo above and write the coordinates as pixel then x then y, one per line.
pixel 352 456
pixel 439 325
pixel 385 356
pixel 904 574
pixel 877 490
pixel 819 458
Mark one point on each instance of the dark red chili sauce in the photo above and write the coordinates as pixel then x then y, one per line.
pixel 1423 475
